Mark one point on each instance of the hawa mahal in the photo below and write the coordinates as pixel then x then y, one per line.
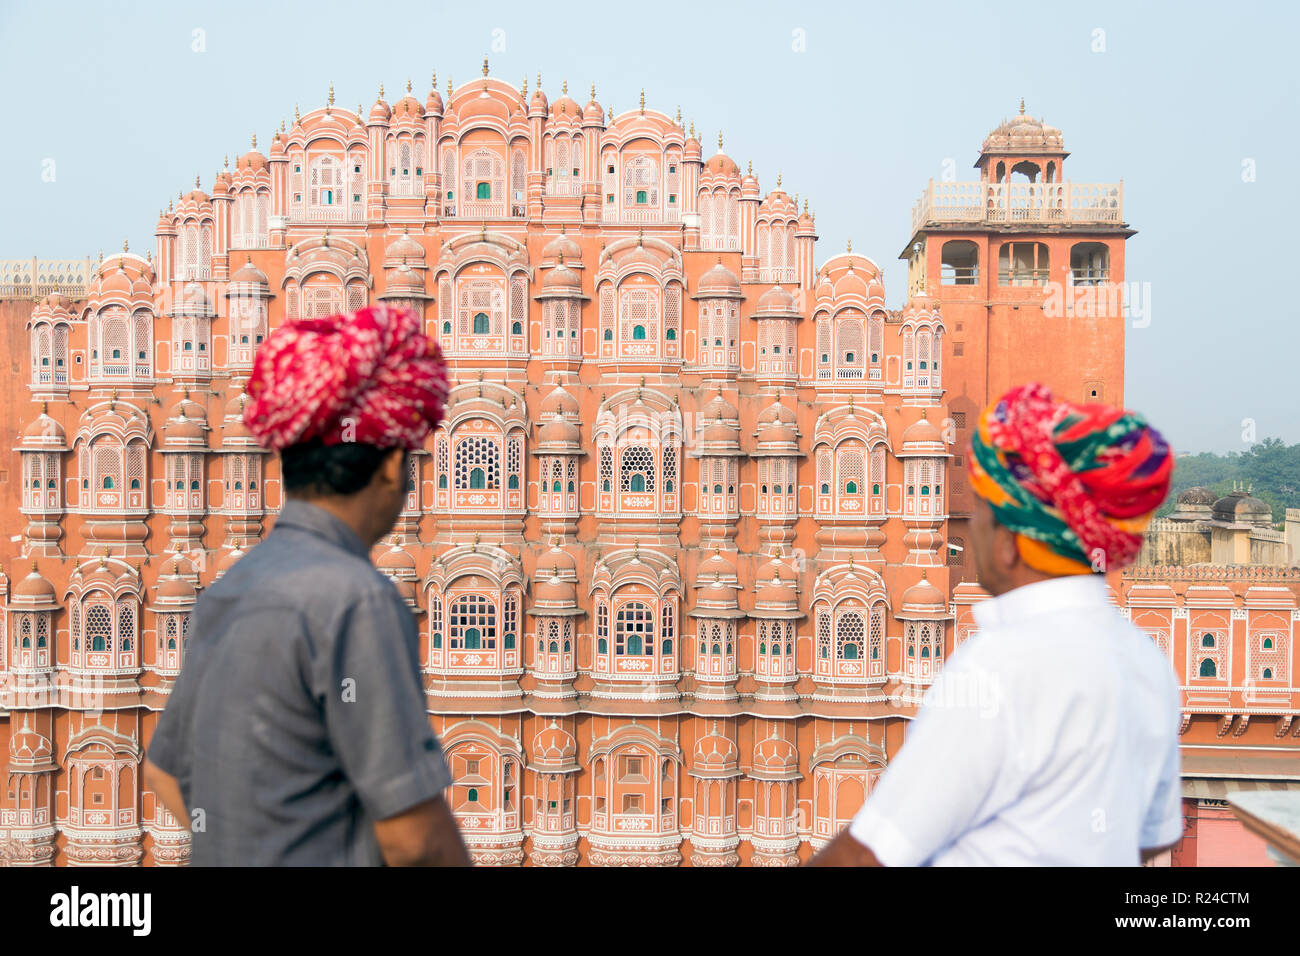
pixel 690 545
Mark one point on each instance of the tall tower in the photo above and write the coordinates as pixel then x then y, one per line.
pixel 1029 269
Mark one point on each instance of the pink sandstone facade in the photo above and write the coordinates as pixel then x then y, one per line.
pixel 689 548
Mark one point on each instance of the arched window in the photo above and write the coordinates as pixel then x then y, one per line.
pixel 1207 640
pixel 483 191
pixel 850 632
pixel 480 323
pixel 638 332
pixel 1208 669
pixel 1268 673
pixel 473 620
pixel 634 630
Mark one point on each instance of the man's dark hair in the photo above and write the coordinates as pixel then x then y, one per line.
pixel 313 467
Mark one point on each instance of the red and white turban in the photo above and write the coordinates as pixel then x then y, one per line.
pixel 370 377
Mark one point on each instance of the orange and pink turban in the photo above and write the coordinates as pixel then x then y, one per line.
pixel 370 377
pixel 1077 483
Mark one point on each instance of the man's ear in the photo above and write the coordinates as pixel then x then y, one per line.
pixel 392 468
pixel 1006 553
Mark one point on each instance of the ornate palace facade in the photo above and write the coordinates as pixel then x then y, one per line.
pixel 681 555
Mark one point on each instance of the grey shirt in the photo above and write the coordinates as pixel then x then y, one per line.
pixel 298 718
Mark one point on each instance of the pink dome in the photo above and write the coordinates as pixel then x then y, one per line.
pixel 776 299
pixel 718 280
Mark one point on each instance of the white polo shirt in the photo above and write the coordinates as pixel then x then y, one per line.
pixel 1050 738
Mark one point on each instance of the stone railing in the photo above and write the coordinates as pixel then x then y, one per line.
pixel 982 202
pixel 1210 572
pixel 35 278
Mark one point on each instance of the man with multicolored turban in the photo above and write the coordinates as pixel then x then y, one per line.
pixel 1051 736
pixel 297 732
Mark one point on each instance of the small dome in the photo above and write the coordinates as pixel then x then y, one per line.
pixel 408 107
pixel 716 566
pixel 715 752
pixel 557 560
pixel 775 755
pixel 34 589
pixel 249 273
pixel 1023 134
pixel 776 299
pixel 716 433
pixel 775 586
pixel 252 160
pixel 228 560
pixel 719 408
pixel 404 247
pixel 54 302
pixel 719 280
pixel 1239 507
pixel 566 107
pixel 723 165
pixel 562 279
pixel 396 560
pixel 559 431
pixel 1197 495
pixel 381 112
pixel 174 589
pixel 692 152
pixel 776 427
pixel 554 746
pixel 563 245
pixel 28 749
pixel 538 102
pixel 593 112
pixel 554 591
pixel 923 595
pixel 558 402
pixel 922 431
pixel 44 431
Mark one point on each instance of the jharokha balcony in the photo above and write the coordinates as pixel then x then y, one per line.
pixel 1019 202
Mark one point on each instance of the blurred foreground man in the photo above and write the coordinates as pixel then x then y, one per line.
pixel 296 733
pixel 1051 736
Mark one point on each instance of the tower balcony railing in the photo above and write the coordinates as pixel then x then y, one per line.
pixel 777 274
pixel 652 216
pixel 1000 203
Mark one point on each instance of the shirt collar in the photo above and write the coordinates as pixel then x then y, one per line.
pixel 1042 597
pixel 315 520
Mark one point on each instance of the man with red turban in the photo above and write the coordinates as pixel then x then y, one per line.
pixel 1051 736
pixel 297 732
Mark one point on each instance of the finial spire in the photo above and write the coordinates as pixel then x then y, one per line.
pixel 1022 106
pixel 778 180
pixel 485 66
pixel 593 92
pixel 329 102
pixel 408 84
pixel 719 141
pixel 850 246
pixel 643 99
pixel 564 88
pixel 679 116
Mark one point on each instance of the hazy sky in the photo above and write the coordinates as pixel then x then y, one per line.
pixel 1183 102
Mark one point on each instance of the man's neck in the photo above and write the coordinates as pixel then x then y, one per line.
pixel 349 509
